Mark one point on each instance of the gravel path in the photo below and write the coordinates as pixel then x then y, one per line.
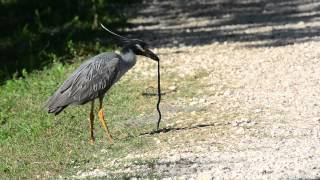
pixel 254 112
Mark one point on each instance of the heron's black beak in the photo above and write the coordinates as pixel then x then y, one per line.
pixel 151 55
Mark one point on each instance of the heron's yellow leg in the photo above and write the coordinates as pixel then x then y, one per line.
pixel 91 118
pixel 103 122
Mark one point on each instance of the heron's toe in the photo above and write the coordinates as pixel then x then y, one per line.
pixel 91 141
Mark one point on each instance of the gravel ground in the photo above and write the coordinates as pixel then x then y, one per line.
pixel 255 109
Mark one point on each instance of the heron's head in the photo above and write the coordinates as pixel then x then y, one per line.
pixel 138 46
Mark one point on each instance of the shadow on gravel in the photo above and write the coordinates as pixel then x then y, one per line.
pixel 165 130
pixel 200 22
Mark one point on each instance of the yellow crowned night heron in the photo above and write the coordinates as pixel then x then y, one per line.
pixel 96 76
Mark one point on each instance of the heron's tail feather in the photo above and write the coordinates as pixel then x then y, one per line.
pixel 54 104
pixel 56 110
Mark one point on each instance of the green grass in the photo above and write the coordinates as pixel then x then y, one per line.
pixel 36 144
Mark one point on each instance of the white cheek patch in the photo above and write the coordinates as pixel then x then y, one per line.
pixel 140 48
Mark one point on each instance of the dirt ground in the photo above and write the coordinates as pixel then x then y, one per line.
pixel 252 69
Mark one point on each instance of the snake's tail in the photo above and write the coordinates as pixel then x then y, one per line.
pixel 159 97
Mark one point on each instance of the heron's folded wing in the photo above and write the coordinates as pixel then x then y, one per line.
pixel 93 80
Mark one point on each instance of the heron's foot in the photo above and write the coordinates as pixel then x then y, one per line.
pixel 110 139
pixel 91 141
pixel 109 136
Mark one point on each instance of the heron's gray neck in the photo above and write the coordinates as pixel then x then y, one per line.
pixel 128 57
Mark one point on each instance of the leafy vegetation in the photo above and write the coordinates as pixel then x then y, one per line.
pixel 31 30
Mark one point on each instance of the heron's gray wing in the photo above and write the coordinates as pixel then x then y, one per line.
pixel 89 81
pixel 94 80
pixel 69 82
pixel 57 97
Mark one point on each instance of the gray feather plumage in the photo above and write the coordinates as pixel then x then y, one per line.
pixel 96 76
pixel 90 81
